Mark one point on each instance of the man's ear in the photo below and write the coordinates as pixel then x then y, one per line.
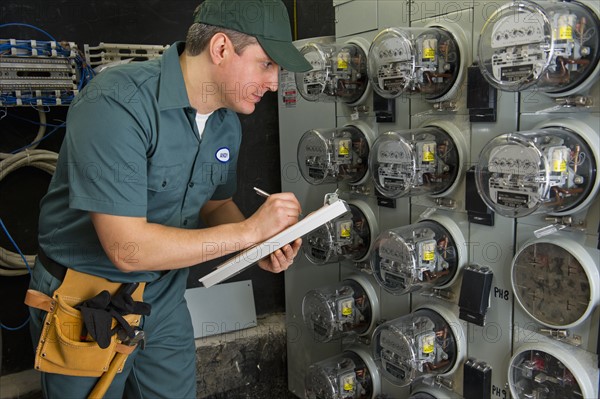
pixel 219 47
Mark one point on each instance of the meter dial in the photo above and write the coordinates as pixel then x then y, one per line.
pixel 408 61
pixel 349 375
pixel 339 72
pixel 554 47
pixel 549 170
pixel 547 371
pixel 555 280
pixel 347 237
pixel 418 256
pixel 333 155
pixel 419 345
pixel 350 307
pixel 414 162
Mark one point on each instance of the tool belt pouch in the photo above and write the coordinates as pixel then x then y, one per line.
pixel 61 348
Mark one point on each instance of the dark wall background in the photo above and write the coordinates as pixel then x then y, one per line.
pixel 135 22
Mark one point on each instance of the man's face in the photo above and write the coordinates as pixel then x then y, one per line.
pixel 246 78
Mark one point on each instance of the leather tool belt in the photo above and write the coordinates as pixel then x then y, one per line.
pixel 65 346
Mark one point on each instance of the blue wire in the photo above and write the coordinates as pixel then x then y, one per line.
pixel 16 328
pixel 34 122
pixel 15 245
pixel 30 26
pixel 38 141
pixel 28 269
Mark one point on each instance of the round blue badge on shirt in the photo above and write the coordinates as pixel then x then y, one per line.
pixel 222 154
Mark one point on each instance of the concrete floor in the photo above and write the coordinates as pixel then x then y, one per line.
pixel 278 390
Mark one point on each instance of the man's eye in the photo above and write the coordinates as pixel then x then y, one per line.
pixel 267 64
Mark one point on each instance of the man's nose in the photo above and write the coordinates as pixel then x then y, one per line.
pixel 272 82
pixel 271 85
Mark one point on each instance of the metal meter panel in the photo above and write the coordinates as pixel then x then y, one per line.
pixel 414 61
pixel 348 237
pixel 293 123
pixel 551 46
pixel 342 309
pixel 339 72
pixel 414 162
pixel 543 370
pixel 426 343
pixel 555 281
pixel 418 256
pixel 551 170
pixel 333 155
pixel 350 375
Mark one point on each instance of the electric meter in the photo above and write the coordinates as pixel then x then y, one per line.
pixel 409 61
pixel 339 72
pixel 554 47
pixel 548 371
pixel 418 256
pixel 422 395
pixel 349 307
pixel 333 155
pixel 349 375
pixel 547 170
pixel 346 237
pixel 419 345
pixel 555 280
pixel 414 162
pixel 432 392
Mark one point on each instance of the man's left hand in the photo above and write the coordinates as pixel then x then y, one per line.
pixel 282 258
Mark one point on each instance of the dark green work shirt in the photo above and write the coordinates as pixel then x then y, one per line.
pixel 132 148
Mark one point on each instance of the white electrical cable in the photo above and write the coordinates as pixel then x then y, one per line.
pixel 41 132
pixel 41 159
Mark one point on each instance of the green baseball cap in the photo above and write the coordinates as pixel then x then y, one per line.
pixel 267 20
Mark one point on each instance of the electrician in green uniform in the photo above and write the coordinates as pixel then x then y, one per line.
pixel 150 150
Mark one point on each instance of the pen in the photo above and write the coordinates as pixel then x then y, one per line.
pixel 265 194
pixel 262 193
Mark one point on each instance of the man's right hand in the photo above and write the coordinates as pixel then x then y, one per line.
pixel 277 213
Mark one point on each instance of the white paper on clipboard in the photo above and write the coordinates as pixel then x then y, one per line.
pixel 251 255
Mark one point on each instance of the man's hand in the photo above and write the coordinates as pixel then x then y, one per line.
pixel 277 213
pixel 282 258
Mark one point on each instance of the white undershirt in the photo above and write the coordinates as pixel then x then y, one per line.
pixel 201 122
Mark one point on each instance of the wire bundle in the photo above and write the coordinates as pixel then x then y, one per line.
pixel 17 263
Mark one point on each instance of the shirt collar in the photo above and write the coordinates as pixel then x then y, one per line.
pixel 172 92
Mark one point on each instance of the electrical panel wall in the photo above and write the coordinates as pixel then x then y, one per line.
pixel 470 263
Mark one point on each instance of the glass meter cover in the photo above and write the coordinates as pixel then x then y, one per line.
pixel 556 283
pixel 339 72
pixel 409 61
pixel 333 311
pixel 347 237
pixel 550 170
pixel 332 155
pixel 345 376
pixel 414 346
pixel 414 162
pixel 535 373
pixel 553 47
pixel 418 256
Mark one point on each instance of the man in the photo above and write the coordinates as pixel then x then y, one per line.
pixel 151 148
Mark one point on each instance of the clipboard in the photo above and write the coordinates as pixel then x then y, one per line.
pixel 253 254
